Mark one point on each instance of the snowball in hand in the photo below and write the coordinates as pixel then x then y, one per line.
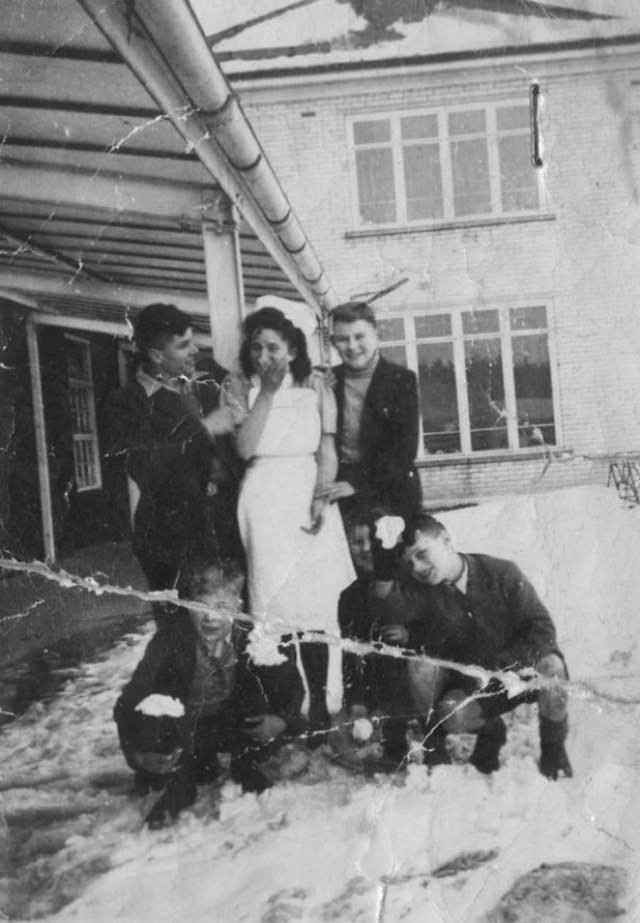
pixel 362 729
pixel 388 530
pixel 159 706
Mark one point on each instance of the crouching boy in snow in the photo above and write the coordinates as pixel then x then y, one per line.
pixel 194 694
pixel 374 685
pixel 475 610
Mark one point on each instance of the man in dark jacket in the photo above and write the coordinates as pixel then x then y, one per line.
pixel 178 453
pixel 478 611
pixel 377 434
pixel 196 693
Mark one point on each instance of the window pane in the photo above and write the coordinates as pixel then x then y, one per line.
pixel 376 193
pixel 390 328
pixel 528 318
pixel 397 354
pixel 485 391
pixel 470 169
pixel 467 123
pixel 85 464
pixel 419 126
pixel 80 399
pixel 480 322
pixel 422 181
pixel 534 403
pixel 518 177
pixel 512 117
pixel 372 132
pixel 77 359
pixel 433 325
pixel 438 399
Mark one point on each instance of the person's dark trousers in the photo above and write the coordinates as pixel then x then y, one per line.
pixel 315 663
pixel 315 660
pixel 160 575
pixel 490 740
pixel 198 766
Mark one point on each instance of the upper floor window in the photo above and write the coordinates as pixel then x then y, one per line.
pixel 84 430
pixel 485 376
pixel 445 165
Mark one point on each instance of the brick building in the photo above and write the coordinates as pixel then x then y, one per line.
pixel 407 146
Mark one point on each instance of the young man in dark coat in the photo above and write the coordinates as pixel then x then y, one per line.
pixel 195 693
pixel 476 610
pixel 178 452
pixel 377 435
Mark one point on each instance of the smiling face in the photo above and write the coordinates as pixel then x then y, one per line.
pixel 432 558
pixel 269 350
pixel 210 626
pixel 220 595
pixel 356 343
pixel 176 357
pixel 359 539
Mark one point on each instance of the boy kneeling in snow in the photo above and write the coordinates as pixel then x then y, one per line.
pixel 475 610
pixel 196 693
pixel 374 685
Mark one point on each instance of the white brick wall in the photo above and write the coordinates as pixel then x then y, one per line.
pixel 585 263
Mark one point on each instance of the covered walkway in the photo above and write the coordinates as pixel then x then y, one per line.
pixel 130 174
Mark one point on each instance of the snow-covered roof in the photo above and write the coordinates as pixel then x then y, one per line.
pixel 260 37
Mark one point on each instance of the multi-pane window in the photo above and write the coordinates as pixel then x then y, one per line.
pixel 484 376
pixel 445 165
pixel 86 455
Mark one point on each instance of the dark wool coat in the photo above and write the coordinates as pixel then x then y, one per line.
pixel 172 459
pixel 498 623
pixel 168 667
pixel 386 476
pixel 376 681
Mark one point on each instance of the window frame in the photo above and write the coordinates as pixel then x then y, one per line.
pixel 442 112
pixel 458 338
pixel 90 438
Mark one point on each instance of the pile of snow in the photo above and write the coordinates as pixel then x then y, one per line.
pixel 330 845
pixel 159 706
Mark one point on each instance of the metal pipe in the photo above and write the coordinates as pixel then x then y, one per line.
pixel 163 44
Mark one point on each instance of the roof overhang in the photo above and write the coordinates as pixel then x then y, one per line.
pixel 105 183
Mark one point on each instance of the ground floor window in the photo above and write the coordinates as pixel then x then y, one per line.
pixel 84 430
pixel 485 376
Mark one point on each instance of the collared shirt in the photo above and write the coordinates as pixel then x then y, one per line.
pixel 152 384
pixel 180 385
pixel 463 580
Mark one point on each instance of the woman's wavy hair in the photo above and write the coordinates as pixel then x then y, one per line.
pixel 273 319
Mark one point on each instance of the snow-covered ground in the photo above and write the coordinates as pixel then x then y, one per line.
pixel 324 844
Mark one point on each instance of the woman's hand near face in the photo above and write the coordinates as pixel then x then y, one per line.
pixel 272 375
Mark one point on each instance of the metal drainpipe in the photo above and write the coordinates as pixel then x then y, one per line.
pixel 165 47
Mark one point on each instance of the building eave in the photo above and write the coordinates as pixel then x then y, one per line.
pixel 337 70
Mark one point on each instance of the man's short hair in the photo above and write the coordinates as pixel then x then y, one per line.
pixel 352 311
pixel 424 524
pixel 156 324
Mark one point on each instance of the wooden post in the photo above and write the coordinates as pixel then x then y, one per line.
pixel 224 277
pixel 48 536
pixel 133 491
